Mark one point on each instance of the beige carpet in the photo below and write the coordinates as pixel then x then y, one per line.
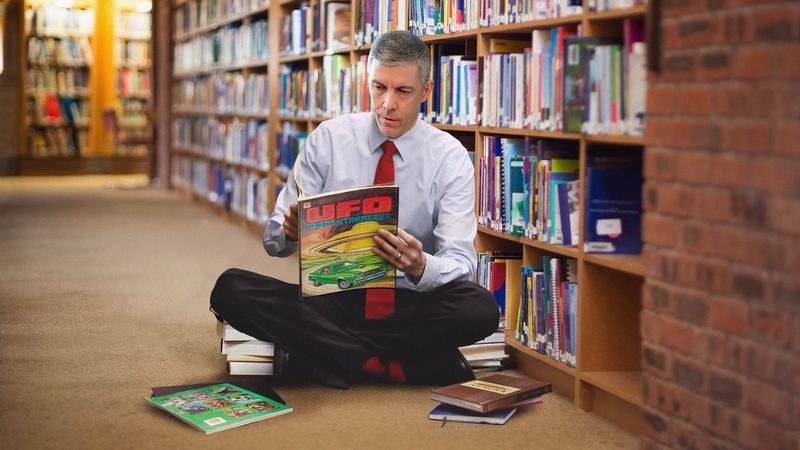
pixel 104 289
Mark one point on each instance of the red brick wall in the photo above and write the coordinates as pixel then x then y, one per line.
pixel 721 300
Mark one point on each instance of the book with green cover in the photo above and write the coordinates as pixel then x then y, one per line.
pixel 219 407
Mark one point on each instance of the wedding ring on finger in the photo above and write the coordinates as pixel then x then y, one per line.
pixel 399 255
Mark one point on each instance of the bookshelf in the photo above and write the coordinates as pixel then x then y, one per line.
pixel 69 82
pixel 308 84
pixel 132 61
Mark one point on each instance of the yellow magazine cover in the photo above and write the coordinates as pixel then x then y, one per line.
pixel 336 230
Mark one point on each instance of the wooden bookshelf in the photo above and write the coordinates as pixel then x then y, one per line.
pixel 605 379
pixel 66 130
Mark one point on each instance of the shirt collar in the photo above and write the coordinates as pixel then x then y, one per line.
pixel 404 143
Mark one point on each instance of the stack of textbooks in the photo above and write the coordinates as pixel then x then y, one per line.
pixel 487 354
pixel 492 399
pixel 245 354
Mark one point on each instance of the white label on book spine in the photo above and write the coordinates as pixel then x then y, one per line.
pixel 609 227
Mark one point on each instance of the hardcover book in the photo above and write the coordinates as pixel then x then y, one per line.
pixel 336 232
pixel 450 413
pixel 218 407
pixel 490 393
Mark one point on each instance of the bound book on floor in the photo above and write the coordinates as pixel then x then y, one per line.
pixel 336 232
pixel 218 407
pixel 490 393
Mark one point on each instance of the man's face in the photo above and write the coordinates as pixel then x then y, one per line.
pixel 396 93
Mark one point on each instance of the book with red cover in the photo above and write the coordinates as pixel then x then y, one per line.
pixel 491 392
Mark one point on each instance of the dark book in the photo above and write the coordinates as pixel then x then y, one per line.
pixel 450 413
pixel 490 393
pixel 336 239
pixel 614 205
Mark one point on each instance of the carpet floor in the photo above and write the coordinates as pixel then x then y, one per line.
pixel 104 286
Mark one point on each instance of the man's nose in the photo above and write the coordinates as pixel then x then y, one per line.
pixel 390 100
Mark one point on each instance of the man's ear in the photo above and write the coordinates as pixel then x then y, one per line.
pixel 426 91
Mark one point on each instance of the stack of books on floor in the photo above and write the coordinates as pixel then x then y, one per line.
pixel 245 354
pixel 487 354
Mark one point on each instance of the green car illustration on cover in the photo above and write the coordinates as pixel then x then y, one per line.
pixel 348 273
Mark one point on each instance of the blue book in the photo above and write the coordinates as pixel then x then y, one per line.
pixel 449 413
pixel 613 210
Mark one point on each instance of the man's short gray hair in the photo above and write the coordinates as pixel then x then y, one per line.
pixel 401 47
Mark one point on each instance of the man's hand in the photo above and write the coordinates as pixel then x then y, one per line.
pixel 403 251
pixel 290 222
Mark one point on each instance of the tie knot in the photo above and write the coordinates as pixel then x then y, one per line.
pixel 388 148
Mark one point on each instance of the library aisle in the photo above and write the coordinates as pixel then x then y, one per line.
pixel 122 273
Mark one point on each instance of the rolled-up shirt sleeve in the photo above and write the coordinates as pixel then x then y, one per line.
pixel 309 167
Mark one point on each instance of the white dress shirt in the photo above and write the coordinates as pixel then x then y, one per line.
pixel 437 190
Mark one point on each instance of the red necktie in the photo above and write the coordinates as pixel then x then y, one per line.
pixel 384 173
pixel 379 302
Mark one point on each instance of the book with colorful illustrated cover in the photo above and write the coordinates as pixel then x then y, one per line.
pixel 336 232
pixel 490 393
pixel 219 407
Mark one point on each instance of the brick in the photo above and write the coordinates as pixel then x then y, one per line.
pixel 673 199
pixel 768 402
pixel 660 230
pixel 726 389
pixel 731 170
pixel 659 164
pixel 696 32
pixel 775 24
pixel 783 54
pixel 715 65
pixel 696 238
pixel 787 138
pixel 711 346
pixel 706 135
pixel 693 167
pixel 774 367
pixel 700 411
pixel 677 335
pixel 702 273
pixel 727 315
pixel 751 136
pixel 655 426
pixel 767 435
pixel 783 216
pixel 689 438
pixel 655 361
pixel 662 99
pixel 728 422
pixel 689 375
pixel 695 100
pixel 651 327
pixel 678 66
pixel 691 308
pixel 736 27
pixel 776 176
pixel 737 98
pixel 669 132
pixel 711 204
pixel 747 285
pixel 771 326
pixel 741 245
pixel 789 105
pixel 754 63
pixel 656 297
pixel 680 8
pixel 749 208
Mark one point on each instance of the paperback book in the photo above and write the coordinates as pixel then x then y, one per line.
pixel 336 232
pixel 490 393
pixel 218 407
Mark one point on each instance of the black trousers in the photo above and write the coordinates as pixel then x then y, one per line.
pixel 328 336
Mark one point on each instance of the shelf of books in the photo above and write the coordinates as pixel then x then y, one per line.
pixel 548 98
pixel 132 130
pixel 65 91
